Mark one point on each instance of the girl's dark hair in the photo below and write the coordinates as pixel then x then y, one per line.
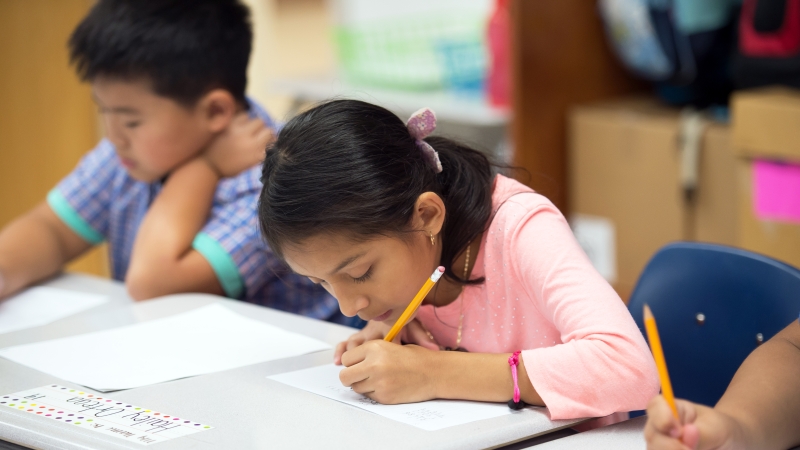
pixel 351 167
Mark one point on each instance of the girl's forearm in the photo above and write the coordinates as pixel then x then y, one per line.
pixel 480 376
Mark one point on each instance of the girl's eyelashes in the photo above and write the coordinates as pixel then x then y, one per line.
pixel 132 124
pixel 364 277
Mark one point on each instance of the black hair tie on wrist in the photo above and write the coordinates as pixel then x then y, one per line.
pixel 516 405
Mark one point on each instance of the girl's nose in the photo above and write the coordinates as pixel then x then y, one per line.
pixel 350 305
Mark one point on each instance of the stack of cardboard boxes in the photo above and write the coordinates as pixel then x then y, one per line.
pixel 766 139
pixel 628 190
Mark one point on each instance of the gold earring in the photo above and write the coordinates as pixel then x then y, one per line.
pixel 433 239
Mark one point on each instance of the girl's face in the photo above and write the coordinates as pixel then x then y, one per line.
pixel 375 279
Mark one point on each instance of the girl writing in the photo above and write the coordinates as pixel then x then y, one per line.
pixel 368 207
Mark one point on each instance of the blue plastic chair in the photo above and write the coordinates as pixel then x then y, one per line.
pixel 713 305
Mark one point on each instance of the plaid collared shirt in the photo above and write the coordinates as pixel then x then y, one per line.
pixel 100 201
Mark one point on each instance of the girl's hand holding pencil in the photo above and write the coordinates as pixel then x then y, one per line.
pixel 389 373
pixel 413 333
pixel 386 372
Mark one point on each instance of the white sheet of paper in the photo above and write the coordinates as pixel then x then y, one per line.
pixel 42 305
pixel 431 415
pixel 208 339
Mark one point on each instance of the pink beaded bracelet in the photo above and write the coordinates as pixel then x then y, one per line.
pixel 516 402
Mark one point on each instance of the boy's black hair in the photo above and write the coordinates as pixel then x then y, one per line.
pixel 351 167
pixel 185 48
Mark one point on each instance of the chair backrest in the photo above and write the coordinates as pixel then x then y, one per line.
pixel 711 304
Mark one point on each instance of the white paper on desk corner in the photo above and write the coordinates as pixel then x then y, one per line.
pixel 431 415
pixel 42 305
pixel 207 339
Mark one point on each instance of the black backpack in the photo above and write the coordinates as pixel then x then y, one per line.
pixel 683 46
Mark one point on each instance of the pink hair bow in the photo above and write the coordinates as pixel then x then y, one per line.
pixel 421 124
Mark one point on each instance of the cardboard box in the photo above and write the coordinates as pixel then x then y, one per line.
pixel 766 123
pixel 625 190
pixel 624 164
pixel 766 126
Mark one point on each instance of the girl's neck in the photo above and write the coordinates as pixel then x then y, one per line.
pixel 447 291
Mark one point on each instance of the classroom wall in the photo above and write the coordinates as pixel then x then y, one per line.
pixel 292 37
pixel 47 119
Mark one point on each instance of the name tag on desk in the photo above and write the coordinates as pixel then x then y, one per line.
pixel 101 414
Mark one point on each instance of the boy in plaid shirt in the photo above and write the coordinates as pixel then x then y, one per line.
pixel 173 187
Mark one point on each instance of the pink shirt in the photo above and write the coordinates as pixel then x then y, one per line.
pixel 581 348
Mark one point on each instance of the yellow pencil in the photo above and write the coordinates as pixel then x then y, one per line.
pixel 658 355
pixel 412 307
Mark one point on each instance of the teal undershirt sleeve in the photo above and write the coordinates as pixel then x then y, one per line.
pixel 72 219
pixel 222 263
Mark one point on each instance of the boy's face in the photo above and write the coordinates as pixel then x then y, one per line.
pixel 152 134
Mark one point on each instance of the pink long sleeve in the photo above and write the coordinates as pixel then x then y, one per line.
pixel 581 348
pixel 603 365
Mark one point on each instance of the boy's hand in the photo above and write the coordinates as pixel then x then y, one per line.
pixel 699 427
pixel 412 333
pixel 242 145
pixel 389 373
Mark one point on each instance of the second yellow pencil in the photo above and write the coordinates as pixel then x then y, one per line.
pixel 658 355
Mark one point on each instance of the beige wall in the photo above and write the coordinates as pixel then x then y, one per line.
pixel 292 37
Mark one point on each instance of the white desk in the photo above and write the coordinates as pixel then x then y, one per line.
pixel 281 416
pixel 620 436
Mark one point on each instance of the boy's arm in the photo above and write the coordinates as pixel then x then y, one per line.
pixel 35 246
pixel 758 410
pixel 163 260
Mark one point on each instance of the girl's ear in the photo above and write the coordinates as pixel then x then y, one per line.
pixel 217 108
pixel 429 213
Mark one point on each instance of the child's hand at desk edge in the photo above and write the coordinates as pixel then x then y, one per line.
pixel 664 431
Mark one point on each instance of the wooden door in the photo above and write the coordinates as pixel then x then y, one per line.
pixel 47 117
